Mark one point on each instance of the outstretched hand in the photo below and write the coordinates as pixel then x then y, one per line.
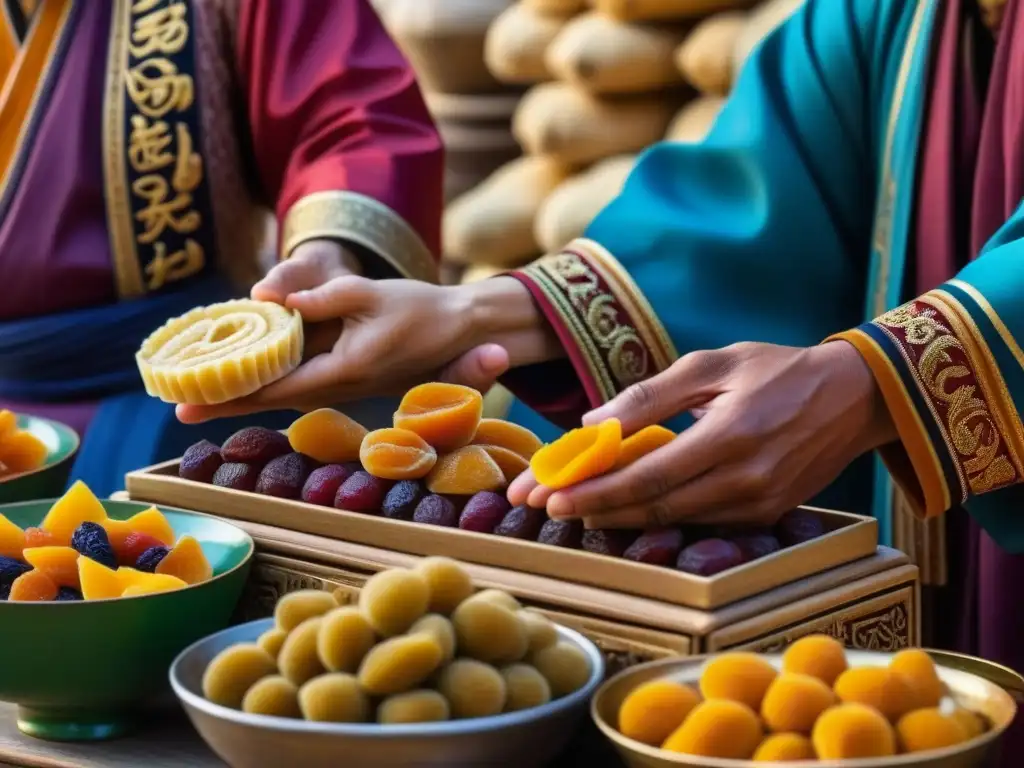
pixel 370 338
pixel 775 426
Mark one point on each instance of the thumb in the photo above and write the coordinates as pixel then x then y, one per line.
pixel 338 298
pixel 478 368
pixel 689 382
pixel 285 278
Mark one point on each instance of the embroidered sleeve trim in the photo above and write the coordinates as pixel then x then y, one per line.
pixel 344 215
pixel 610 331
pixel 950 404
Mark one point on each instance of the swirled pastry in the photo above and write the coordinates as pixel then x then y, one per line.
pixel 222 352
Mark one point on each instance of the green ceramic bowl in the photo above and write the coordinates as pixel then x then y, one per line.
pixel 81 671
pixel 61 443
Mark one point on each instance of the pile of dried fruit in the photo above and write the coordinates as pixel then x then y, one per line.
pixel 20 450
pixel 420 647
pixel 78 552
pixel 815 708
pixel 442 464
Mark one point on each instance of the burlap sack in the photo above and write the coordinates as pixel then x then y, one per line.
pixel 648 10
pixel 608 56
pixel 705 58
pixel 516 42
pixel 693 121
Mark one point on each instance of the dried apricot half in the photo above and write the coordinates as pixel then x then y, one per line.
pixel 505 434
pixel 464 472
pixel 397 454
pixel 578 455
pixel 445 415
pixel 643 442
pixel 327 436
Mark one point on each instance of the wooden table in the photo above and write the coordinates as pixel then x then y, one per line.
pixel 169 741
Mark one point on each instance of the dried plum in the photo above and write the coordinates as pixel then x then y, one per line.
pixel 322 485
pixel 255 445
pixel 797 526
pixel 150 559
pixel 708 557
pixel 240 477
pixel 284 476
pixel 437 510
pixel 561 533
pixel 756 545
pixel 10 569
pixel 522 523
pixel 362 492
pixel 607 542
pixel 483 512
pixel 658 546
pixel 400 502
pixel 91 540
pixel 200 462
pixel 67 595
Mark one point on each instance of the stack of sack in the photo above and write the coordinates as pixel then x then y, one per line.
pixel 607 79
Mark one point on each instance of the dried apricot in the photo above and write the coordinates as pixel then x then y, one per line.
pixel 345 638
pixel 972 724
pixel 876 687
pixel 234 671
pixel 643 442
pixel 8 422
pixel 511 437
pixel 578 455
pixel 421 706
pixel 327 436
pixel 78 505
pixel 299 659
pixel 397 454
pixel 851 731
pixel 782 747
pixel 187 561
pixel 819 656
pixel 525 687
pixel 22 452
pixel 918 671
pixel 464 472
pixel 512 465
pixel 445 415
pixel 393 600
pixel 472 688
pixel 138 583
pixel 926 729
pixel 564 666
pixel 33 587
pixel 498 597
pixel 37 537
pixel 98 582
pixel 442 630
pixel 742 677
pixel 295 607
pixel 400 664
pixel 717 728
pixel 540 630
pixel 272 640
pixel 150 522
pixel 447 583
pixel 793 702
pixel 489 632
pixel 59 563
pixel 652 711
pixel 334 698
pixel 12 539
pixel 275 696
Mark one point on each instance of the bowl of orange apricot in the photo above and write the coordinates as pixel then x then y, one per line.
pixel 35 456
pixel 816 703
pixel 97 598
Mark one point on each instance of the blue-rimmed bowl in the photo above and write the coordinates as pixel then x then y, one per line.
pixel 527 739
pixel 81 671
pixel 61 443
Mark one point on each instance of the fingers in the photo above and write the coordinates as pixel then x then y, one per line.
pixel 478 368
pixel 311 265
pixel 520 488
pixel 689 382
pixel 342 297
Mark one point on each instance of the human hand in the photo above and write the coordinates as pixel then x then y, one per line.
pixel 374 338
pixel 775 426
pixel 311 265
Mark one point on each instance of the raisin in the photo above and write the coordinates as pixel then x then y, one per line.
pixel 323 483
pixel 151 558
pixel 436 510
pixel 400 502
pixel 90 539
pixel 200 462
pixel 11 569
pixel 240 477
pixel 522 523
pixel 362 493
pixel 708 557
pixel 284 476
pixel 255 445
pixel 607 542
pixel 658 546
pixel 561 533
pixel 483 512
pixel 67 594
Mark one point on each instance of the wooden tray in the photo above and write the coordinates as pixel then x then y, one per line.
pixel 849 538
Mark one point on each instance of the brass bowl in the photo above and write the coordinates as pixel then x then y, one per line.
pixel 974 689
pixel 527 739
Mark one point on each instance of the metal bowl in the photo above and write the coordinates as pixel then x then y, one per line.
pixel 972 689
pixel 524 739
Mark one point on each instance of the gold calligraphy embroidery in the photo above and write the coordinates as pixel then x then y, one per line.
pixel 161 149
pixel 943 366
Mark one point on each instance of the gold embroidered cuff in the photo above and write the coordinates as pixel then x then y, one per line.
pixel 343 215
pixel 609 330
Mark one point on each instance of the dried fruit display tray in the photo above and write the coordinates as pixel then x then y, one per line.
pixel 848 538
